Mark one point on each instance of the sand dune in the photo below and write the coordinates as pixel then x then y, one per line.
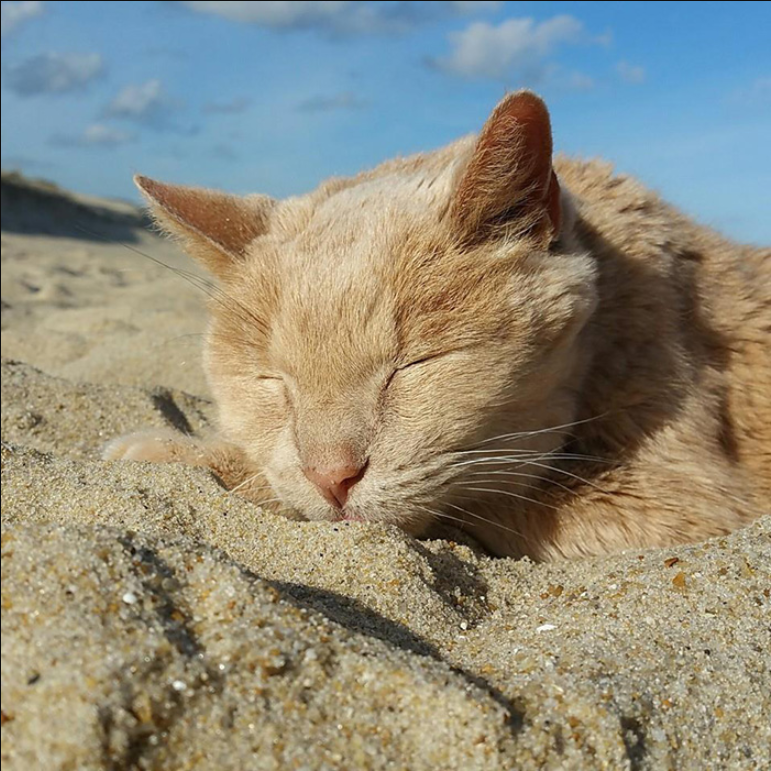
pixel 151 620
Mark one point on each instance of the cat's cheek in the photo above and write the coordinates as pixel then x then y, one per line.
pixel 431 412
pixel 282 469
pixel 252 414
pixel 563 320
pixel 285 489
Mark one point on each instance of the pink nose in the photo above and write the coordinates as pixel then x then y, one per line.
pixel 335 483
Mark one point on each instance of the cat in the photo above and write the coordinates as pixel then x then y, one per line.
pixel 537 350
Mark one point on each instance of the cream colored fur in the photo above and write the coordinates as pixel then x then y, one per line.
pixel 565 364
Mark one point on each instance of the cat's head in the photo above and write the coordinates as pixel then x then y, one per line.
pixel 368 341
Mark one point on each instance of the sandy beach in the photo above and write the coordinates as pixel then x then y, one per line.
pixel 151 620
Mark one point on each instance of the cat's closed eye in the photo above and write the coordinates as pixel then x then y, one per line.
pixel 421 360
pixel 413 364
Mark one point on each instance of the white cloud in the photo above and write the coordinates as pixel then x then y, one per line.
pixel 474 6
pixel 99 134
pixel 343 101
pixel 54 73
pixel 148 104
pixel 515 46
pixel 337 17
pixel 13 15
pixel 138 101
pixel 95 135
pixel 272 14
pixel 630 73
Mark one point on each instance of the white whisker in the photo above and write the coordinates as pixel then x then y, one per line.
pixel 558 470
pixel 523 434
pixel 244 483
pixel 490 521
pixel 444 515
pixel 523 460
pixel 506 492
pixel 536 477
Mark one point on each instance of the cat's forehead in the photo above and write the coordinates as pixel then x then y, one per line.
pixel 395 195
pixel 346 242
pixel 411 191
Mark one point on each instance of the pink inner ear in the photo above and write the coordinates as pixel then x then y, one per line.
pixel 534 127
pixel 554 205
pixel 511 166
pixel 531 113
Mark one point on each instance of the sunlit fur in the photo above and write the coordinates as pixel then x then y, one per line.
pixel 581 387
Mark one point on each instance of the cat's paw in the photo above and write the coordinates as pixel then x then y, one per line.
pixel 153 447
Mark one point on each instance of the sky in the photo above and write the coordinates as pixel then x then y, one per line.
pixel 273 97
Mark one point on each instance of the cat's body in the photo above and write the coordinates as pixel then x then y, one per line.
pixel 567 368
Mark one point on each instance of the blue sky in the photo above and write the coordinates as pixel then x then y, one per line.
pixel 275 96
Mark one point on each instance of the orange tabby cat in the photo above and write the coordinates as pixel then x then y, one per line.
pixel 550 355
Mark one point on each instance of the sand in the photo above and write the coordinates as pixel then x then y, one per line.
pixel 151 620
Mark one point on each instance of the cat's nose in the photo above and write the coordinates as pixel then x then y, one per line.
pixel 335 482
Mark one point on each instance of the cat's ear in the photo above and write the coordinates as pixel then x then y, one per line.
pixel 509 182
pixel 215 228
